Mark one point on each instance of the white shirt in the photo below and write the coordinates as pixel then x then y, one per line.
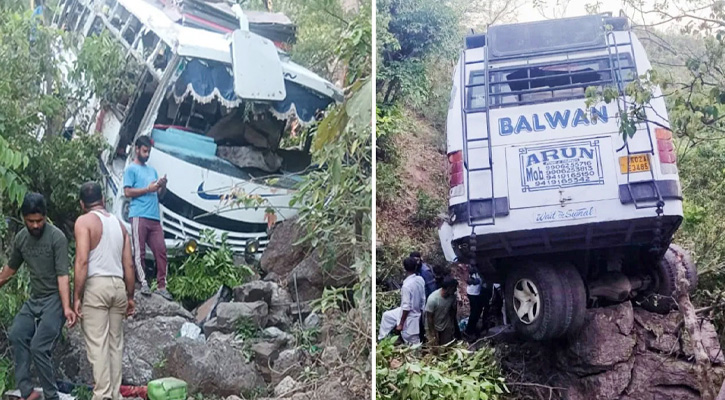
pixel 412 299
pixel 474 290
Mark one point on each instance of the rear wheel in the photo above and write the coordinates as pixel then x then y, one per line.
pixel 661 298
pixel 536 301
pixel 577 292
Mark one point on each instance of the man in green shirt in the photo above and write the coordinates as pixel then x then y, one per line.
pixel 440 313
pixel 43 248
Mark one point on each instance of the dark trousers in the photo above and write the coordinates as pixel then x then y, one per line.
pixel 149 231
pixel 480 307
pixel 33 335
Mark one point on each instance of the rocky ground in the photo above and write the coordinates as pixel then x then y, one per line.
pixel 291 352
pixel 622 353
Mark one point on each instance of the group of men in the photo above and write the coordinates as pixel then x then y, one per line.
pixel 104 279
pixel 428 299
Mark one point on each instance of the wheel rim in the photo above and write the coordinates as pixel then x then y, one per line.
pixel 526 301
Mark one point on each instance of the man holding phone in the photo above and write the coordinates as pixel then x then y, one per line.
pixel 142 185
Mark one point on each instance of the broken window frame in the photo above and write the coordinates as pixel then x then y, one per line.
pixel 497 79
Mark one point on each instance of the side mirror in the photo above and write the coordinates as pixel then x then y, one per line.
pixel 257 68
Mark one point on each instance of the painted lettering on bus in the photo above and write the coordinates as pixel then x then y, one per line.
pixel 557 119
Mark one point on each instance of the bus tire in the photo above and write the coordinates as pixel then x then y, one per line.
pixel 661 299
pixel 537 292
pixel 574 284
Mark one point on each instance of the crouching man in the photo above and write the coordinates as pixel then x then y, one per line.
pixel 406 318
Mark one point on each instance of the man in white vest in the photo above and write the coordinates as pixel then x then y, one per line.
pixel 104 286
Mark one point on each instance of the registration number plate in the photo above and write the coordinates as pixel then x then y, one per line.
pixel 638 163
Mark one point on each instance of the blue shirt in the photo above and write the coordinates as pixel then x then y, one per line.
pixel 138 177
pixel 429 278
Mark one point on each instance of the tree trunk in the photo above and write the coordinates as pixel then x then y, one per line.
pixel 702 360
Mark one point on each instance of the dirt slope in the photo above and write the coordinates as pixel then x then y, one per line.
pixel 422 167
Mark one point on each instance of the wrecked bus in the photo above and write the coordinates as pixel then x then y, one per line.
pixel 546 197
pixel 223 104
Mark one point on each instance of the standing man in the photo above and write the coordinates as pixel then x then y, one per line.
pixel 440 313
pixel 142 185
pixel 104 280
pixel 479 298
pixel 44 250
pixel 426 273
pixel 406 318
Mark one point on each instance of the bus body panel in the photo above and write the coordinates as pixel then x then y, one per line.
pixel 560 135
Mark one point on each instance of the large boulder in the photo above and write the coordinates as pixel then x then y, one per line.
pixel 255 291
pixel 144 342
pixel 277 298
pixel 265 354
pixel 288 363
pixel 281 255
pixel 210 368
pixel 621 353
pixel 229 314
pixel 148 307
pixel 312 277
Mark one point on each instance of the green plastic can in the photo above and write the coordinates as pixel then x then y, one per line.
pixel 167 389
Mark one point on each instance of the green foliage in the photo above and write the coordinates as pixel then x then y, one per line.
pixel 11 162
pixel 385 301
pixel 82 392
pixel 246 329
pixel 390 256
pixel 387 126
pixel 202 273
pixel 12 297
pixel 103 69
pixel 410 33
pixel 455 374
pixel 7 374
pixel 332 299
pixel 57 169
pixel 428 210
pixel 307 339
pixel 320 26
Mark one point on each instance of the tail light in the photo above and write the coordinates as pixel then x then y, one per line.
pixel 455 172
pixel 666 150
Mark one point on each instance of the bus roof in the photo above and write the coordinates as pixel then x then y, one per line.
pixel 199 43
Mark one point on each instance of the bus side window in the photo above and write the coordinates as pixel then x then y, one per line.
pixel 146 44
pixel 74 15
pixel 476 96
pixel 84 19
pixel 132 28
pixel 97 27
pixel 118 20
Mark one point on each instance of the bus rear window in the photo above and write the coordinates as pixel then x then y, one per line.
pixel 538 83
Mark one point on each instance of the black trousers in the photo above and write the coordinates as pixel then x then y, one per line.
pixel 480 307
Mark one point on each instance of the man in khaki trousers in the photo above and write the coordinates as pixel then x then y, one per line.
pixel 104 285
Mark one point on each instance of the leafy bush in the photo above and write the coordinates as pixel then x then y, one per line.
pixel 201 275
pixel 385 301
pixel 390 257
pixel 57 169
pixel 455 374
pixel 412 32
pixel 428 209
pixel 7 374
pixel 12 297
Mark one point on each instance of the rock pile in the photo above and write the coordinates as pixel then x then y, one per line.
pixel 622 353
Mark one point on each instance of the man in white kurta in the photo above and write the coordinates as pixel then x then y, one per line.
pixel 406 318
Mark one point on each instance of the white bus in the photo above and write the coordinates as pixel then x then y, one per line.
pixel 216 92
pixel 546 197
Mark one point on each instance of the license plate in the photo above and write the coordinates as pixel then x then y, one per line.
pixel 638 163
